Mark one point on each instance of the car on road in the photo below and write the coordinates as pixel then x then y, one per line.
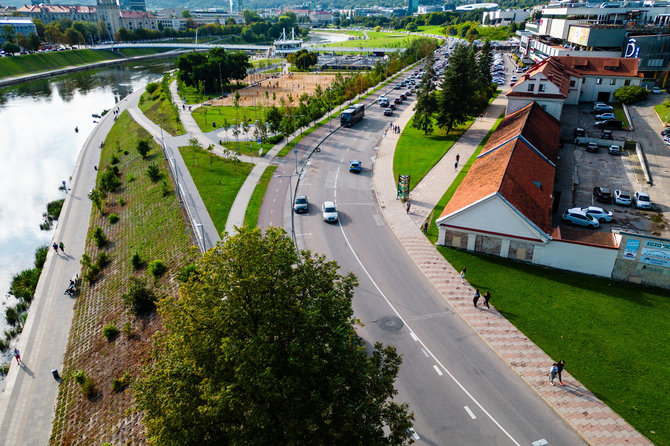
pixel 623 198
pixel 398 87
pixel 514 79
pixel 301 204
pixel 329 211
pixel 656 90
pixel 397 101
pixel 383 101
pixel 578 217
pixel 609 124
pixel 601 107
pixel 642 200
pixel 355 166
pixel 403 97
pixel 592 147
pixel 596 212
pixel 511 84
pixel 388 111
pixel 579 131
pixel 604 116
pixel 606 134
pixel 408 93
pixel 614 150
pixel 602 194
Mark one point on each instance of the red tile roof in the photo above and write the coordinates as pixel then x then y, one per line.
pixel 584 236
pixel 601 66
pixel 136 15
pixel 553 70
pixel 58 9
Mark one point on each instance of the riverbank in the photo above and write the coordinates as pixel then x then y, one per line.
pixel 4 82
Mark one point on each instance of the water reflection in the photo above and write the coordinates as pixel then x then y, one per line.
pixel 39 149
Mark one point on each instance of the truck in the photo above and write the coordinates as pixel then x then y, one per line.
pixel 352 115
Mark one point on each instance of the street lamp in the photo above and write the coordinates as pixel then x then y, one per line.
pixel 295 152
pixel 290 192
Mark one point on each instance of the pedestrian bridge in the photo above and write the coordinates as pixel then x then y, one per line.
pixel 237 47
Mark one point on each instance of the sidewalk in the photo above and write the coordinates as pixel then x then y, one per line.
pixel 588 416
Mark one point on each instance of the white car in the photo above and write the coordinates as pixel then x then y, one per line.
pixel 656 90
pixel 329 211
pixel 596 212
pixel 622 198
pixel 578 217
pixel 642 200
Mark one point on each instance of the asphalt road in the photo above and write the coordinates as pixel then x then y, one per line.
pixel 460 391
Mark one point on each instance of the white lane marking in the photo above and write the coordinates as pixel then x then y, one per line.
pixel 305 234
pixel 424 352
pixel 378 219
pixel 437 369
pixel 471 413
pixel 411 333
pixel 458 383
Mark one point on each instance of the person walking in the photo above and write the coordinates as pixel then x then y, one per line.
pixel 17 355
pixel 476 297
pixel 463 271
pixel 408 206
pixel 458 157
pixel 560 364
pixel 456 165
pixel 552 373
pixel 487 297
pixel 61 246
pixel 55 245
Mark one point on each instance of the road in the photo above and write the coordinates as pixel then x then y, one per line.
pixel 460 391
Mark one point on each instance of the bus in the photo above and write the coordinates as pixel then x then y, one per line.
pixel 352 115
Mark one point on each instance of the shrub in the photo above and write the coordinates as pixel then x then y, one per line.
pixel 110 332
pixel 12 316
pixel 136 261
pixel 112 218
pixel 157 268
pixel 275 139
pixel 127 330
pixel 154 172
pixel 102 260
pixel 120 384
pixel 85 382
pixel 99 237
pixel 186 272
pixel 114 160
pixel 109 179
pixel 4 369
pixel 631 94
pixel 165 189
pixel 121 201
pixel 41 256
pixel 143 147
pixel 139 299
pixel 152 86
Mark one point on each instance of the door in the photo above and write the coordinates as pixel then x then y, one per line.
pixel 603 96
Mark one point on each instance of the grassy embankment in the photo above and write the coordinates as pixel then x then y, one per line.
pixel 157 107
pixel 254 207
pixel 607 332
pixel 207 116
pixel 620 115
pixel 376 40
pixel 35 63
pixel 218 180
pixel 150 223
pixel 663 111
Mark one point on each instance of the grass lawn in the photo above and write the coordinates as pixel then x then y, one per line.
pixel 160 110
pixel 264 62
pixel 663 110
pixel 151 223
pixel 431 29
pixel 417 153
pixel 377 40
pixel 35 63
pixel 192 96
pixel 620 115
pixel 613 336
pixel 254 207
pixel 217 180
pixel 204 116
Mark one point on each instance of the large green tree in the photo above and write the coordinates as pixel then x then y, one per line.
pixel 455 100
pixel 213 68
pixel 260 348
pixel 426 100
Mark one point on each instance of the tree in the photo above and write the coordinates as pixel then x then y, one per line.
pixel 34 41
pixel 260 348
pixel 411 27
pixel 630 94
pixel 39 27
pixel 303 59
pixel 186 14
pixel 484 62
pixel 426 101
pixel 8 33
pixel 273 116
pixel 455 100
pixel 11 48
pixel 143 147
pixel 73 36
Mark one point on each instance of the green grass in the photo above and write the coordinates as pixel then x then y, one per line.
pixel 430 29
pixel 416 153
pixel 192 96
pixel 35 63
pixel 264 62
pixel 217 180
pixel 254 207
pixel 161 111
pixel 377 40
pixel 663 110
pixel 613 336
pixel 619 114
pixel 204 116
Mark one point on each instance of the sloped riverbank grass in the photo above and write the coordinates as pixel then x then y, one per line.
pixel 36 63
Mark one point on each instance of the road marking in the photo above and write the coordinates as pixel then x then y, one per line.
pixel 388 302
pixel 378 219
pixel 437 369
pixel 305 234
pixel 411 333
pixel 472 415
pixel 425 352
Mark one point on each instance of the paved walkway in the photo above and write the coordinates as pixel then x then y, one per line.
pixel 590 417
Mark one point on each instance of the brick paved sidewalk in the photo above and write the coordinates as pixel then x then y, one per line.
pixel 590 417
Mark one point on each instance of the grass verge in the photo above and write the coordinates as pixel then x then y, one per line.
pixel 254 207
pixel 35 63
pixel 160 110
pixel 210 118
pixel 620 115
pixel 150 223
pixel 663 111
pixel 218 180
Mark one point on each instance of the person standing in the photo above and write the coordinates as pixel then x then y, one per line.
pixel 55 245
pixel 463 271
pixel 487 297
pixel 17 355
pixel 408 206
pixel 61 246
pixel 552 373
pixel 458 157
pixel 476 297
pixel 560 364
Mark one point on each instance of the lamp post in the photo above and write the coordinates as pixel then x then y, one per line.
pixel 295 152
pixel 290 192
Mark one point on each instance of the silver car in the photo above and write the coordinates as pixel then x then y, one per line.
pixel 596 212
pixel 329 211
pixel 642 200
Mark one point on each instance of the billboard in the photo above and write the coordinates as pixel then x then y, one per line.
pixel 579 35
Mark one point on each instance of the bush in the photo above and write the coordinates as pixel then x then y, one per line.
pixel 4 369
pixel 152 86
pixel 165 188
pixel 120 384
pixel 631 94
pixel 186 272
pixel 157 268
pixel 121 201
pixel 41 256
pixel 99 237
pixel 154 172
pixel 110 332
pixel 139 299
pixel 136 261
pixel 112 218
pixel 109 179
pixel 85 382
pixel 114 160
pixel 143 147
pixel 275 139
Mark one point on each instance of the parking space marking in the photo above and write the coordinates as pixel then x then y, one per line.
pixel 437 369
pixel 472 415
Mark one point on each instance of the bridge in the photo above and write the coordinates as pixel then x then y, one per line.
pixel 236 47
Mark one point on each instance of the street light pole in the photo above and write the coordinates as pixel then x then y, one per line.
pixel 296 160
pixel 290 192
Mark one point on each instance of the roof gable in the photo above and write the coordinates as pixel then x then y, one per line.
pixel 601 66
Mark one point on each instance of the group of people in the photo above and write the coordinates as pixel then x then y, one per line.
pixel 487 297
pixel 59 245
pixel 556 370
pixel 395 128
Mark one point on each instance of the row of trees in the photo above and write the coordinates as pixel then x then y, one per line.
pixel 464 91
pixel 213 70
pixel 410 23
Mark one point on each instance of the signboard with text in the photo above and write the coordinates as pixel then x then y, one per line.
pixel 403 187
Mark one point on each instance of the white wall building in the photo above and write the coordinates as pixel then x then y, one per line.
pixel 504 18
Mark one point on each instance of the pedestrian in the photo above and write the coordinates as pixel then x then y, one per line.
pixel 17 355
pixel 408 206
pixel 61 246
pixel 465 270
pixel 552 373
pixel 390 125
pixel 560 364
pixel 476 297
pixel 487 297
pixel 458 157
pixel 424 227
pixel 55 246
pixel 456 165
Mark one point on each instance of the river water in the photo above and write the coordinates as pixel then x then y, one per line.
pixel 39 148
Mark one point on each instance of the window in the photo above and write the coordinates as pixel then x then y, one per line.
pixel 599 81
pixel 612 81
pixel 626 83
pixel 544 106
pixel 541 87
pixel 531 87
pixel 573 83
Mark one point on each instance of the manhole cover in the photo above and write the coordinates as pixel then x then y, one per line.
pixel 390 323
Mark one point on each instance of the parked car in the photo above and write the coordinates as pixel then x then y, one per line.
pixel 383 101
pixel 642 200
pixel 601 107
pixel 596 212
pixel 614 150
pixel 397 101
pixel 355 166
pixel 665 132
pixel 392 106
pixel 605 116
pixel 656 90
pixel 403 97
pixel 408 93
pixel 592 147
pixel 622 198
pixel 578 132
pixel 602 194
pixel 329 211
pixel 388 111
pixel 606 134
pixel 609 124
pixel 301 204
pixel 578 217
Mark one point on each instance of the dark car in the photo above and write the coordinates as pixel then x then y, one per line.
pixel 578 132
pixel 397 101
pixel 609 124
pixel 403 97
pixel 602 194
pixel 592 147
pixel 392 106
pixel 388 112
pixel 355 166
pixel 606 134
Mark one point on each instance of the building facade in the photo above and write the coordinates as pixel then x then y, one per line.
pixel 21 26
pixel 506 17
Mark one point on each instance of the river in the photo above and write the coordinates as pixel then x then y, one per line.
pixel 39 147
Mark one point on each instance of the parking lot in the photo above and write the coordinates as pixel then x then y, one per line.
pixel 587 170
